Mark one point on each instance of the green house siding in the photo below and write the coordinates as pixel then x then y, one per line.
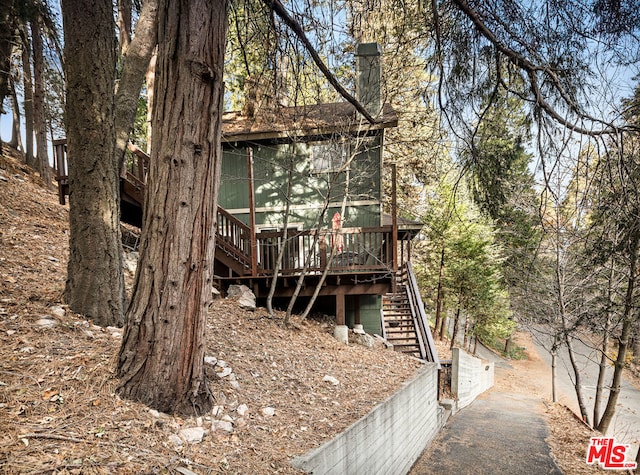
pixel 316 179
pixel 370 306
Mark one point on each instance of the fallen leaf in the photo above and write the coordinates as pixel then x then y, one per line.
pixel 49 393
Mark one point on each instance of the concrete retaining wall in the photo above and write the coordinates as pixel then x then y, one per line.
pixel 389 439
pixel 470 376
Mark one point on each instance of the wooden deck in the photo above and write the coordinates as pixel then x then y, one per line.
pixel 241 253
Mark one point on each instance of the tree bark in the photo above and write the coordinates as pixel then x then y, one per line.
pixel 28 98
pixel 16 139
pixel 39 106
pixel 455 327
pixel 95 282
pixel 134 69
pixel 285 230
pixel 124 25
pixel 439 319
pixel 7 22
pixel 161 360
pixel 628 320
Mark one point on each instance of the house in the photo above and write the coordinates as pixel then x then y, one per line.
pixel 305 183
pixel 318 170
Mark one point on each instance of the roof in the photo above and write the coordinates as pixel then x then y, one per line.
pixel 302 121
pixel 407 228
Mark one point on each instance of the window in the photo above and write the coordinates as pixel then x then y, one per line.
pixel 328 156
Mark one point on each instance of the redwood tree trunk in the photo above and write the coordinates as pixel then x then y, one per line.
pixel 95 282
pixel 161 361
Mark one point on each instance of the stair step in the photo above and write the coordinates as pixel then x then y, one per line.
pixel 396 328
pixel 405 346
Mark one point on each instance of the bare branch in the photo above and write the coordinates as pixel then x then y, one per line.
pixel 292 23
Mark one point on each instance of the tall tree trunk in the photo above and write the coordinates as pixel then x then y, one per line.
pixel 577 381
pixel 7 24
pixel 39 106
pixel 95 282
pixel 629 317
pixel 455 325
pixel 28 98
pixel 439 319
pixel 285 230
pixel 16 139
pixel 124 25
pixel 161 360
pixel 604 358
pixel 636 342
pixel 554 365
pixel 134 68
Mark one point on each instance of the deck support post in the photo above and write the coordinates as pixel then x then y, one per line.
pixel 252 214
pixel 341 331
pixel 394 225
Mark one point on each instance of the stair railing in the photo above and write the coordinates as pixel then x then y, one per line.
pixel 234 238
pixel 420 317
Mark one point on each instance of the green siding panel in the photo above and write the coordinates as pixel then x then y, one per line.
pixel 370 306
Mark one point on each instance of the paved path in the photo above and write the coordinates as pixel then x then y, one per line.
pixel 499 433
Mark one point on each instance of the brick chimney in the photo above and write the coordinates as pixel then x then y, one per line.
pixel 368 66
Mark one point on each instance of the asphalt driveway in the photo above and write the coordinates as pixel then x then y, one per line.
pixel 499 433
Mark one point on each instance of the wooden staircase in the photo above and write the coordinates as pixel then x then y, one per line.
pixel 404 320
pixel 399 327
pixel 233 238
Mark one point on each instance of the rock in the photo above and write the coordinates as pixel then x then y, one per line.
pixel 116 335
pixel 224 426
pixel 247 303
pixel 217 410
pixel 242 409
pixel 46 322
pixel 224 373
pixel 199 421
pixel 154 413
pixel 221 364
pixel 237 290
pixel 363 339
pixel 268 411
pixel 210 360
pixel 52 259
pixel 331 379
pixel 227 418
pixel 192 435
pixel 243 294
pixel 11 332
pixel 215 293
pixel 185 471
pixel 175 440
pixel 387 345
pixel 234 384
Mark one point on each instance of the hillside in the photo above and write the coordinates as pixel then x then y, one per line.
pixel 58 409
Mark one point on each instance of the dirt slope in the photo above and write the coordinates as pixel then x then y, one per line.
pixel 58 409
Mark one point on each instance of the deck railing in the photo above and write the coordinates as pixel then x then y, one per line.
pixel 234 238
pixel 346 250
